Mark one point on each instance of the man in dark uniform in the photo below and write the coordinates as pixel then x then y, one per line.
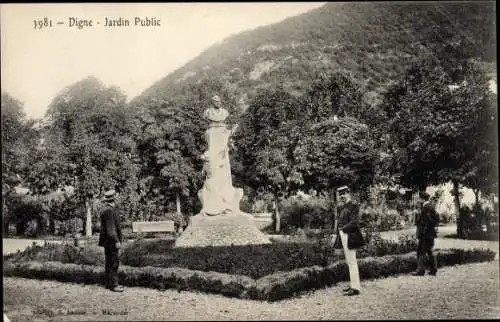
pixel 349 236
pixel 110 238
pixel 427 220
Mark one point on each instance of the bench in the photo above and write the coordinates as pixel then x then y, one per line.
pixel 262 219
pixel 166 226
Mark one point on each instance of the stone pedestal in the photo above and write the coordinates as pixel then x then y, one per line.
pixel 220 221
pixel 223 230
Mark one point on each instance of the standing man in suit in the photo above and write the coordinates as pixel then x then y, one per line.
pixel 427 221
pixel 349 236
pixel 110 238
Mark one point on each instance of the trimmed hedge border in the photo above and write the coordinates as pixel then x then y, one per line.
pixel 255 261
pixel 273 287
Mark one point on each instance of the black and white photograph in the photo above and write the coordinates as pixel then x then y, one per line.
pixel 217 161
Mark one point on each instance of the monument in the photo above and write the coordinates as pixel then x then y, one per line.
pixel 220 221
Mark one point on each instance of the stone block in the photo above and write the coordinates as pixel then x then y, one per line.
pixel 222 230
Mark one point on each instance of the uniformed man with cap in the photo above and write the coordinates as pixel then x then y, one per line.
pixel 349 236
pixel 110 238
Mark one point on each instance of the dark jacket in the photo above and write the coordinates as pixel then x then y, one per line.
pixel 111 232
pixel 426 222
pixel 348 222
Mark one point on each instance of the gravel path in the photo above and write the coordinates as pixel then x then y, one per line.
pixel 459 292
pixel 442 231
pixel 445 243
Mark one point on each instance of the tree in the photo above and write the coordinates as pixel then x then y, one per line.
pixel 336 152
pixel 263 145
pixel 332 94
pixel 19 140
pixel 336 145
pixel 89 143
pixel 479 133
pixel 441 130
pixel 284 144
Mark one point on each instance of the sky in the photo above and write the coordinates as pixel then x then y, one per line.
pixel 38 62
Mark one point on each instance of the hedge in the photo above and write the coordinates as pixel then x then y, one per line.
pixel 273 287
pixel 254 261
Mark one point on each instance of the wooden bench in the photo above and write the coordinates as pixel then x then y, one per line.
pixel 166 226
pixel 262 219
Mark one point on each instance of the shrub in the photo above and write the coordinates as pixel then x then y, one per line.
pixel 253 260
pixel 281 285
pixel 55 271
pixel 380 218
pixel 386 209
pixel 25 211
pixel 178 219
pixel 446 217
pixel 32 228
pixel 378 246
pixel 71 227
pixel 479 222
pixel 66 253
pixel 311 212
pixel 273 287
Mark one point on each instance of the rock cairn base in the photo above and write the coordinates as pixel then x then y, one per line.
pixel 221 230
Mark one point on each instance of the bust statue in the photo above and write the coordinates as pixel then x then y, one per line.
pixel 216 114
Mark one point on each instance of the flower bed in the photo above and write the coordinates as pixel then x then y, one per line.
pixel 64 253
pixel 272 287
pixel 254 261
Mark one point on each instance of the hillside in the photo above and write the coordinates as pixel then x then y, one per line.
pixel 374 41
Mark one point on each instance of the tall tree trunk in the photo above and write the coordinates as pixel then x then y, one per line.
pixel 179 228
pixel 476 194
pixel 335 210
pixel 52 226
pixel 5 218
pixel 277 217
pixel 20 227
pixel 178 202
pixel 456 200
pixel 88 223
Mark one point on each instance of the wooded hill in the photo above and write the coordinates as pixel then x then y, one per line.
pixel 375 42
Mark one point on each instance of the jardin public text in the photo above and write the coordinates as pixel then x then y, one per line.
pixel 107 22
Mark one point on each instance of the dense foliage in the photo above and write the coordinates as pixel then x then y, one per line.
pixel 19 141
pixel 443 131
pixel 348 94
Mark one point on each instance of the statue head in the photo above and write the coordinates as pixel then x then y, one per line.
pixel 216 101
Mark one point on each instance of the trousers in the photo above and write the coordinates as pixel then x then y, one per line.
pixel 111 266
pixel 424 249
pixel 352 263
